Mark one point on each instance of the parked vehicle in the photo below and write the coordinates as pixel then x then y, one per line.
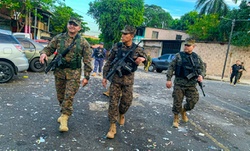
pixel 23 35
pixel 12 56
pixel 161 63
pixel 31 49
pixel 42 41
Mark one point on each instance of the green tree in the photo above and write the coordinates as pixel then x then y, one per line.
pixel 20 8
pixel 62 14
pixel 155 16
pixel 212 7
pixel 176 24
pixel 185 21
pixel 92 41
pixel 113 15
pixel 205 28
pixel 240 36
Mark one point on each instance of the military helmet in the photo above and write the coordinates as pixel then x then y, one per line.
pixel 129 30
pixel 75 20
pixel 190 41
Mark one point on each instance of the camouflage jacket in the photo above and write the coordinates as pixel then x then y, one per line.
pixel 85 53
pixel 125 79
pixel 180 80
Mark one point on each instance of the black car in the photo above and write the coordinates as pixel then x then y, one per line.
pixel 161 63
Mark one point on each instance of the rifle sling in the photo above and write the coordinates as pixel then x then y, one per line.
pixel 130 52
pixel 69 47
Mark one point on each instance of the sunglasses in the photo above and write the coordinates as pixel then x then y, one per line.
pixel 73 23
pixel 125 33
pixel 187 45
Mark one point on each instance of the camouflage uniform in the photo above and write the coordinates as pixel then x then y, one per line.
pixel 67 80
pixel 120 85
pixel 149 61
pixel 183 86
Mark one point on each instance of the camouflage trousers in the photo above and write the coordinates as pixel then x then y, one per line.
pixel 119 104
pixel 66 90
pixel 147 66
pixel 191 94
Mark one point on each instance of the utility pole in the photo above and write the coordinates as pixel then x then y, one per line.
pixel 228 47
pixel 229 42
pixel 230 37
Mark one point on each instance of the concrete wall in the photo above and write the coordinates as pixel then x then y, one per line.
pixel 214 55
pixel 153 48
pixel 164 34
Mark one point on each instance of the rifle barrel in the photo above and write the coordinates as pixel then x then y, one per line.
pixel 201 86
pixel 118 63
pixel 196 73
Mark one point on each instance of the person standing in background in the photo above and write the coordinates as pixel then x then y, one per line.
pixel 241 72
pixel 149 61
pixel 99 55
pixel 234 71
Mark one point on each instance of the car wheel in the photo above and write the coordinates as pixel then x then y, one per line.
pixel 6 72
pixel 36 66
pixel 151 68
pixel 159 70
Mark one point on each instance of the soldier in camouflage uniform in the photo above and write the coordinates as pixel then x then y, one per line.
pixel 149 61
pixel 185 81
pixel 67 75
pixel 124 84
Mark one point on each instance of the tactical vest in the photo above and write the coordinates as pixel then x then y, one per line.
pixel 130 65
pixel 184 66
pixel 99 53
pixel 75 62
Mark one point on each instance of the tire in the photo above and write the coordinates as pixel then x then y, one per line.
pixel 151 68
pixel 159 70
pixel 36 66
pixel 6 72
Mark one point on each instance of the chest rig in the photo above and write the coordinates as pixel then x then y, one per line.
pixel 99 53
pixel 130 65
pixel 75 60
pixel 184 66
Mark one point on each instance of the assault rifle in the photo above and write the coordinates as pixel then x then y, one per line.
pixel 57 60
pixel 195 74
pixel 119 64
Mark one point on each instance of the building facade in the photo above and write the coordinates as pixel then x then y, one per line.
pixel 157 41
pixel 160 41
pixel 30 23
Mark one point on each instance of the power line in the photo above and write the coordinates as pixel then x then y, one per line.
pixel 229 42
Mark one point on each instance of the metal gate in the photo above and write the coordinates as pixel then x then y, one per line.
pixel 171 47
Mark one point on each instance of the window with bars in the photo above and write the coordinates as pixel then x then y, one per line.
pixel 155 34
pixel 178 37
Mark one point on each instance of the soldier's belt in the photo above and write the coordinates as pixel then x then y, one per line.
pixel 68 66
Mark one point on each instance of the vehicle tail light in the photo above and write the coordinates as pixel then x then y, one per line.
pixel 19 47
